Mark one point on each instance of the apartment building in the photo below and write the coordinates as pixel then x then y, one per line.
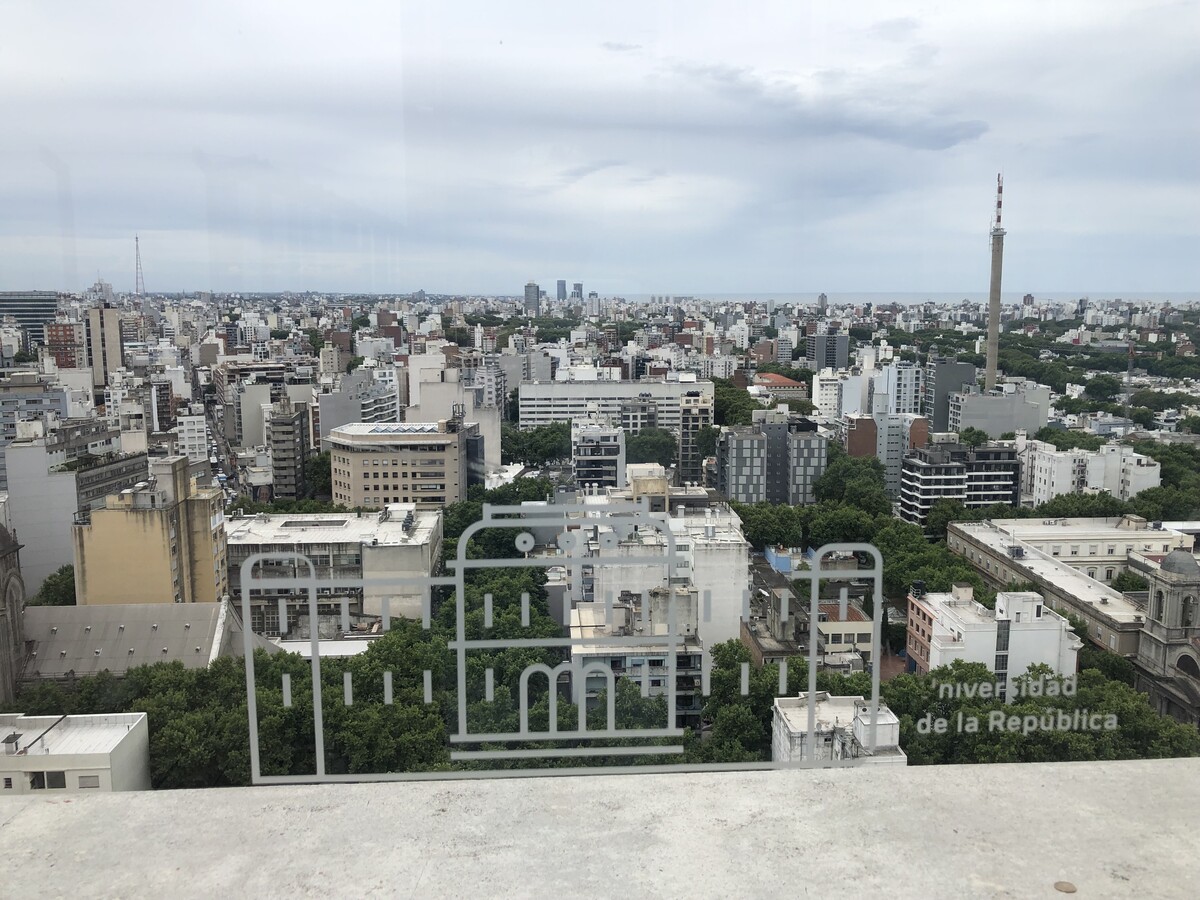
pixel 662 664
pixel 33 310
pixel 943 377
pixel 695 414
pixel 975 476
pixel 25 396
pixel 50 755
pixel 55 474
pixel 169 529
pixel 777 459
pixel 897 389
pixel 714 556
pixel 105 348
pixel 827 351
pixel 742 464
pixel 192 432
pixel 1021 631
pixel 66 342
pixel 542 403
pixel 394 548
pixel 286 433
pixel 1014 405
pixel 888 437
pixel 362 396
pixel 429 464
pixel 1048 472
pixel 598 454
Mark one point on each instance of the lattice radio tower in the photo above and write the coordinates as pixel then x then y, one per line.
pixel 139 286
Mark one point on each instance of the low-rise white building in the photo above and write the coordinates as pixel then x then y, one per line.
pixel 668 664
pixel 713 557
pixel 1021 631
pixel 400 543
pixel 74 754
pixel 843 731
pixel 1048 472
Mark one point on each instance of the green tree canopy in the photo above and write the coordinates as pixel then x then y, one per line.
pixel 57 590
pixel 973 437
pixel 1102 387
pixel 318 474
pixel 651 445
pixel 537 447
pixel 1130 581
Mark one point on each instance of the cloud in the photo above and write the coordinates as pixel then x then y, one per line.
pixel 881 114
pixel 788 146
pixel 900 29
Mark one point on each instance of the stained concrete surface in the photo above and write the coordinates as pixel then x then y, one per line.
pixel 1128 829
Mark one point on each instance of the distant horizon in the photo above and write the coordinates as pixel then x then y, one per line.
pixel 786 297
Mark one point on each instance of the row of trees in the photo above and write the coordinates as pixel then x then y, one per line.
pixel 741 723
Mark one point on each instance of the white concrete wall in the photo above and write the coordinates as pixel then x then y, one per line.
pixel 130 760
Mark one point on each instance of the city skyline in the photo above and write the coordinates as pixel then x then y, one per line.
pixel 640 153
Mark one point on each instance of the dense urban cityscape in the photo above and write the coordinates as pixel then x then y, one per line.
pixel 563 450
pixel 1047 522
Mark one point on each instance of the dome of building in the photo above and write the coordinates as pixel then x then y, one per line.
pixel 1181 562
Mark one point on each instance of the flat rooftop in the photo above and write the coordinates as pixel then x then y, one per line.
pixel 1081 529
pixel 1112 603
pixel 986 831
pixel 86 640
pixel 969 612
pixel 335 528
pixel 831 711
pixel 60 736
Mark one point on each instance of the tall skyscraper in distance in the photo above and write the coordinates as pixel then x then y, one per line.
pixel 577 288
pixel 822 304
pixel 562 290
pixel 993 340
pixel 533 299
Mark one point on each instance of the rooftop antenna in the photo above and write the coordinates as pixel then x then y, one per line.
pixel 139 286
pixel 993 334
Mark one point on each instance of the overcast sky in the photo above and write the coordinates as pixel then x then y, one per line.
pixel 638 147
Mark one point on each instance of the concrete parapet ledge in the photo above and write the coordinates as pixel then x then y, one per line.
pixel 1124 829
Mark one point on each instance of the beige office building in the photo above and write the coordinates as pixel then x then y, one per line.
pixel 160 541
pixel 429 464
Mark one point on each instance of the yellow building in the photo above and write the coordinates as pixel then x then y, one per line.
pixel 429 464
pixel 161 541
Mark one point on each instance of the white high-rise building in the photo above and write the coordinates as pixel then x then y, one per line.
pixel 901 382
pixel 193 441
